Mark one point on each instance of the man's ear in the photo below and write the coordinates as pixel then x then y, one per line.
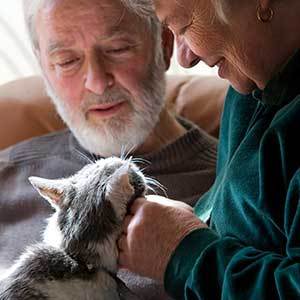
pixel 167 45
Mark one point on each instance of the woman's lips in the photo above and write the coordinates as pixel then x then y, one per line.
pixel 105 110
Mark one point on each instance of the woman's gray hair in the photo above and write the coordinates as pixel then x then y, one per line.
pixel 146 7
pixel 220 7
pixel 142 8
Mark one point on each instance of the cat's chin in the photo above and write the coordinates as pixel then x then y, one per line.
pixel 52 235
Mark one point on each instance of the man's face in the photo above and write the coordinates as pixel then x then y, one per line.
pixel 103 70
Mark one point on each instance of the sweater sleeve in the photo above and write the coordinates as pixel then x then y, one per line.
pixel 206 266
pixel 212 266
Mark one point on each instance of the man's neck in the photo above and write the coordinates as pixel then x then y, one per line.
pixel 166 131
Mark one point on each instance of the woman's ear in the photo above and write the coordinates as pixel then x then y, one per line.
pixel 264 4
pixel 167 45
pixel 264 10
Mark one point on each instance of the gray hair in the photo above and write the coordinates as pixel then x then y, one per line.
pixel 31 9
pixel 144 9
pixel 220 7
pixel 141 8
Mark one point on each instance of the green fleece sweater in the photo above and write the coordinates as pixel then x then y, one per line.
pixel 252 250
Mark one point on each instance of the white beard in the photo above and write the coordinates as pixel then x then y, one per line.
pixel 122 134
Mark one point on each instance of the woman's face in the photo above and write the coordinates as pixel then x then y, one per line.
pixel 235 47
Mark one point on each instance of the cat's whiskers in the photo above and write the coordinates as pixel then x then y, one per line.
pixel 126 152
pixel 94 156
pixel 139 160
pixel 123 152
pixel 84 156
pixel 153 183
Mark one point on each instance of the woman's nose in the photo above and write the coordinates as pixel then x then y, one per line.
pixel 98 77
pixel 185 56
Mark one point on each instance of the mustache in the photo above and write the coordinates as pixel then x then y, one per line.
pixel 109 96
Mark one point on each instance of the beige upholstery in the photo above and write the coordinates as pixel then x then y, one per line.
pixel 26 111
pixel 198 98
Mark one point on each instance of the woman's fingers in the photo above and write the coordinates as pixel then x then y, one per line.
pixel 122 243
pixel 168 202
pixel 126 223
pixel 137 203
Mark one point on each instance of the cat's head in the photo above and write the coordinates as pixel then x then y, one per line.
pixel 91 205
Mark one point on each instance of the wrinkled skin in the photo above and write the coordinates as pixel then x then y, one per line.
pixel 152 231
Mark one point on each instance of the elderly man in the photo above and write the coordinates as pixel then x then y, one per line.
pixel 103 66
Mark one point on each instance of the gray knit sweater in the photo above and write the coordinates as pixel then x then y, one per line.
pixel 186 168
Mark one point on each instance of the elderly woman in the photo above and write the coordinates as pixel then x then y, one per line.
pixel 251 250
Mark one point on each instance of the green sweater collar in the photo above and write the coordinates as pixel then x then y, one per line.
pixel 284 86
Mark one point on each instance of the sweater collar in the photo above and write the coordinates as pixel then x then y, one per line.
pixel 284 86
pixel 193 142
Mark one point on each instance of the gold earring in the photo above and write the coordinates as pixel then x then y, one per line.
pixel 110 81
pixel 264 16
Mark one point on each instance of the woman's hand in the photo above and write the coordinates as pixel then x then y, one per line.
pixel 152 231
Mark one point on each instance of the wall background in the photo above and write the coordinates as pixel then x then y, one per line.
pixel 17 60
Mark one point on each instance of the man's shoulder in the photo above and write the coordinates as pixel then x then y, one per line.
pixel 199 137
pixel 48 145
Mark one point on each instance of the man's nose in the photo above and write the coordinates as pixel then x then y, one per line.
pixel 185 56
pixel 98 77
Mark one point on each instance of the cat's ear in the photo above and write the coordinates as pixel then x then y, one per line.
pixel 50 189
pixel 119 183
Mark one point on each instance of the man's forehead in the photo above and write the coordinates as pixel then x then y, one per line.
pixel 110 14
pixel 81 5
pixel 63 26
pixel 68 42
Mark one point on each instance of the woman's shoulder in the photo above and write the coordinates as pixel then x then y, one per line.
pixel 237 115
pixel 238 107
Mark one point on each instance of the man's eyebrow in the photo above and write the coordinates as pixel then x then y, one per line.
pixel 117 30
pixel 110 35
pixel 119 33
pixel 56 45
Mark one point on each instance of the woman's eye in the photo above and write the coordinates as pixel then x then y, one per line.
pixel 184 29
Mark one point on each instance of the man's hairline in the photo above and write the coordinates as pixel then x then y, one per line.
pixel 33 32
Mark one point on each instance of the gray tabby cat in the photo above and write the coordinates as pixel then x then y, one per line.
pixel 78 256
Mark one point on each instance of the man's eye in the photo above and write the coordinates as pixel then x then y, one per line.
pixel 68 62
pixel 119 50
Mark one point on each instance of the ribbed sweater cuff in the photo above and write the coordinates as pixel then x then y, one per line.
pixel 184 258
